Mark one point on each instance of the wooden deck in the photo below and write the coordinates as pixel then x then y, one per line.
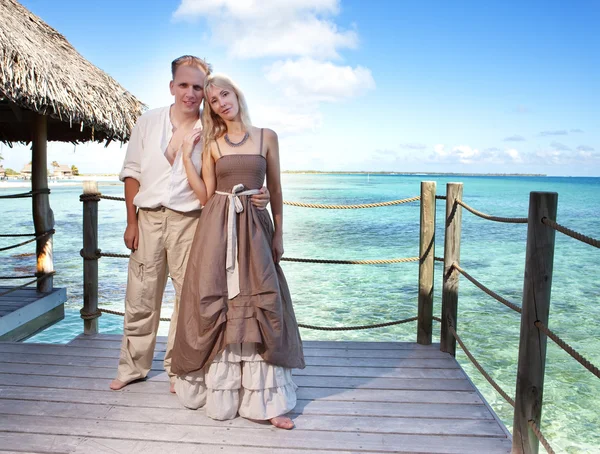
pixel 24 312
pixel 353 397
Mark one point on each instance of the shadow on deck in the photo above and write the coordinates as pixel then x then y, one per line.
pixel 353 397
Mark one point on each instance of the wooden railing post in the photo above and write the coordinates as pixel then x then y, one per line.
pixel 454 191
pixel 43 217
pixel 426 262
pixel 536 306
pixel 89 253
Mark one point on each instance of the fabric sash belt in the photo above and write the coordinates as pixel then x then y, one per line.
pixel 235 206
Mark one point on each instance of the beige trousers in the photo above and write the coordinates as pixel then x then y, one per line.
pixel 239 381
pixel 165 238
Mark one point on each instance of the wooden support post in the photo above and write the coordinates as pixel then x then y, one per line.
pixel 89 253
pixel 426 262
pixel 43 217
pixel 454 191
pixel 537 286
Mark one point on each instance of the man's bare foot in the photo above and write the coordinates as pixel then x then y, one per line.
pixel 282 422
pixel 116 384
pixel 172 388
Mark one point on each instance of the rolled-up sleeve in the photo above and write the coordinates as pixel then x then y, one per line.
pixel 132 164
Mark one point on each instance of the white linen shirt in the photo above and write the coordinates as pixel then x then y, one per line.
pixel 160 183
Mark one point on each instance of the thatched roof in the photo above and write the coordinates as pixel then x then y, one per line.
pixel 41 72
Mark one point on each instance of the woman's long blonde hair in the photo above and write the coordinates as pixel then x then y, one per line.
pixel 214 126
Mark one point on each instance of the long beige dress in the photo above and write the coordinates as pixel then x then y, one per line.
pixel 262 312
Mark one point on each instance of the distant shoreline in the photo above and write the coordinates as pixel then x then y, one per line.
pixel 465 174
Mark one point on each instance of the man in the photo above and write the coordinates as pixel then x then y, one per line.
pixel 162 213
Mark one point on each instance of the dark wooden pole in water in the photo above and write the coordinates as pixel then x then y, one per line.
pixel 426 262
pixel 89 253
pixel 454 191
pixel 43 217
pixel 537 287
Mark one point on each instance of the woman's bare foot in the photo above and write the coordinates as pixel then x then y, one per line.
pixel 282 422
pixel 172 388
pixel 116 384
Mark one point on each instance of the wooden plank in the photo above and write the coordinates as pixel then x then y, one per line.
pixel 181 416
pixel 61 444
pixel 153 387
pixel 308 351
pixel 242 437
pixel 304 406
pixel 444 363
pixel 454 192
pixel 426 263
pixel 43 218
pixel 351 345
pixel 157 366
pixel 42 307
pixel 537 288
pixel 27 329
pixel 90 248
pixel 301 380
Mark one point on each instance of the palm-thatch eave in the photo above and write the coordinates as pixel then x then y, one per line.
pixel 41 72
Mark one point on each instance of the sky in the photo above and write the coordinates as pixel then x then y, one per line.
pixel 354 85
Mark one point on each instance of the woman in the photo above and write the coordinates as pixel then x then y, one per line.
pixel 237 337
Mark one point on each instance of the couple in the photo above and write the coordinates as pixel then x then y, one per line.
pixel 233 338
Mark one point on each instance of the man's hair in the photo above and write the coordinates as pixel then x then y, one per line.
pixel 190 60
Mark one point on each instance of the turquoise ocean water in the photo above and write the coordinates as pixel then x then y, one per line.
pixel 341 295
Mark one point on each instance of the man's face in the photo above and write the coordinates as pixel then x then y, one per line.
pixel 188 89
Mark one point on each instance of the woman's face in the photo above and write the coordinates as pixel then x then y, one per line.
pixel 223 102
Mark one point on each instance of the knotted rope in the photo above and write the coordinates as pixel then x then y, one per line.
pixel 572 233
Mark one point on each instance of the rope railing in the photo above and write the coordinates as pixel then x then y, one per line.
pixel 490 217
pixel 100 254
pixel 301 325
pixel 24 195
pixel 540 436
pixel 91 197
pixel 572 233
pixel 28 276
pixel 39 278
pixel 491 293
pixel 15 235
pixel 566 347
pixel 481 369
pixel 49 232
pixel 351 207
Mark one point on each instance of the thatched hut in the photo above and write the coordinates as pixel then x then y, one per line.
pixel 48 91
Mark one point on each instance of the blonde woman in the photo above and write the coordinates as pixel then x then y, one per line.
pixel 237 337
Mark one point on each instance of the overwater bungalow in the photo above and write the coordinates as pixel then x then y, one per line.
pixel 48 92
pixel 62 171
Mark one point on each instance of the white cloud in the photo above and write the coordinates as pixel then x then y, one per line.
pixel 285 121
pixel 465 154
pixel 310 80
pixel 272 28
